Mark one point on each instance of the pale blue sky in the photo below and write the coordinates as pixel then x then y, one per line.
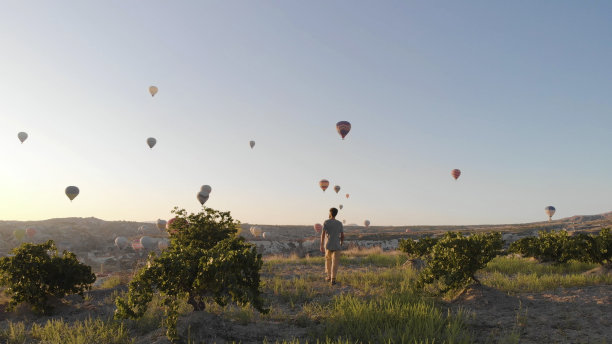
pixel 516 94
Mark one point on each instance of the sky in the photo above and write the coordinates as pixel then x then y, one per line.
pixel 515 94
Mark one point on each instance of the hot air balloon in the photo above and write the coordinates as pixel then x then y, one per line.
pixel 265 235
pixel 151 141
pixel 340 206
pixel 252 144
pixel 22 136
pixel 343 128
pixel 162 244
pixel 344 221
pixel 121 242
pixel 206 189
pixel 72 192
pixel 366 223
pixel 148 242
pixel 136 245
pixel 30 232
pixel 347 195
pixel 324 183
pixel 202 197
pixel 550 211
pixel 19 234
pixel 161 224
pixel 204 193
pixel 318 227
pixel 256 231
pixel 153 90
pixel 337 188
pixel 455 173
pixel 143 229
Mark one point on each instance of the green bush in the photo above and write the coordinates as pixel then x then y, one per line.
pixel 559 247
pixel 417 248
pixel 206 261
pixel 37 272
pixel 455 258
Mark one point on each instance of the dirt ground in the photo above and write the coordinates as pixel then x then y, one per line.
pixel 572 315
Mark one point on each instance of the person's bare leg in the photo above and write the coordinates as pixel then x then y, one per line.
pixel 328 265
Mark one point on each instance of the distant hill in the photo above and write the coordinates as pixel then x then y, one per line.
pixel 87 234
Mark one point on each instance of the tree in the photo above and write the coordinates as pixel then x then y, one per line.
pixel 454 259
pixel 37 272
pixel 417 248
pixel 206 260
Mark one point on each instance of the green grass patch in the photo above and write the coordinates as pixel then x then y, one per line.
pixel 534 282
pixel 376 259
pixel 15 333
pixel 514 265
pixel 58 331
pixel 395 318
pixel 379 281
pixel 296 290
pixel 110 282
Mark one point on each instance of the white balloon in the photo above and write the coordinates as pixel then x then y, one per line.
pixel 121 242
pixel 206 189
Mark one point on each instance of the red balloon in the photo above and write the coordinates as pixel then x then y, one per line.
pixel 343 128
pixel 136 245
pixel 324 183
pixel 455 173
pixel 173 226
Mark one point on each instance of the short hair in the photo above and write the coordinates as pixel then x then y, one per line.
pixel 333 212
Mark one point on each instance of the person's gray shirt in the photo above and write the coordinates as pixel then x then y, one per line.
pixel 333 228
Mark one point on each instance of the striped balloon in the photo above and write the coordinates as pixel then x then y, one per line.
pixel 337 188
pixel 455 173
pixel 324 183
pixel 136 245
pixel 343 128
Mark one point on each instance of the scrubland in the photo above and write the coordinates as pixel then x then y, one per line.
pixel 375 301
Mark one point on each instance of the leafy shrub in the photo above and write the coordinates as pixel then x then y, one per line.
pixel 417 248
pixel 37 272
pixel 455 258
pixel 206 261
pixel 559 247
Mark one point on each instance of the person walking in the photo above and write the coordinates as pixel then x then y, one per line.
pixel 333 237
